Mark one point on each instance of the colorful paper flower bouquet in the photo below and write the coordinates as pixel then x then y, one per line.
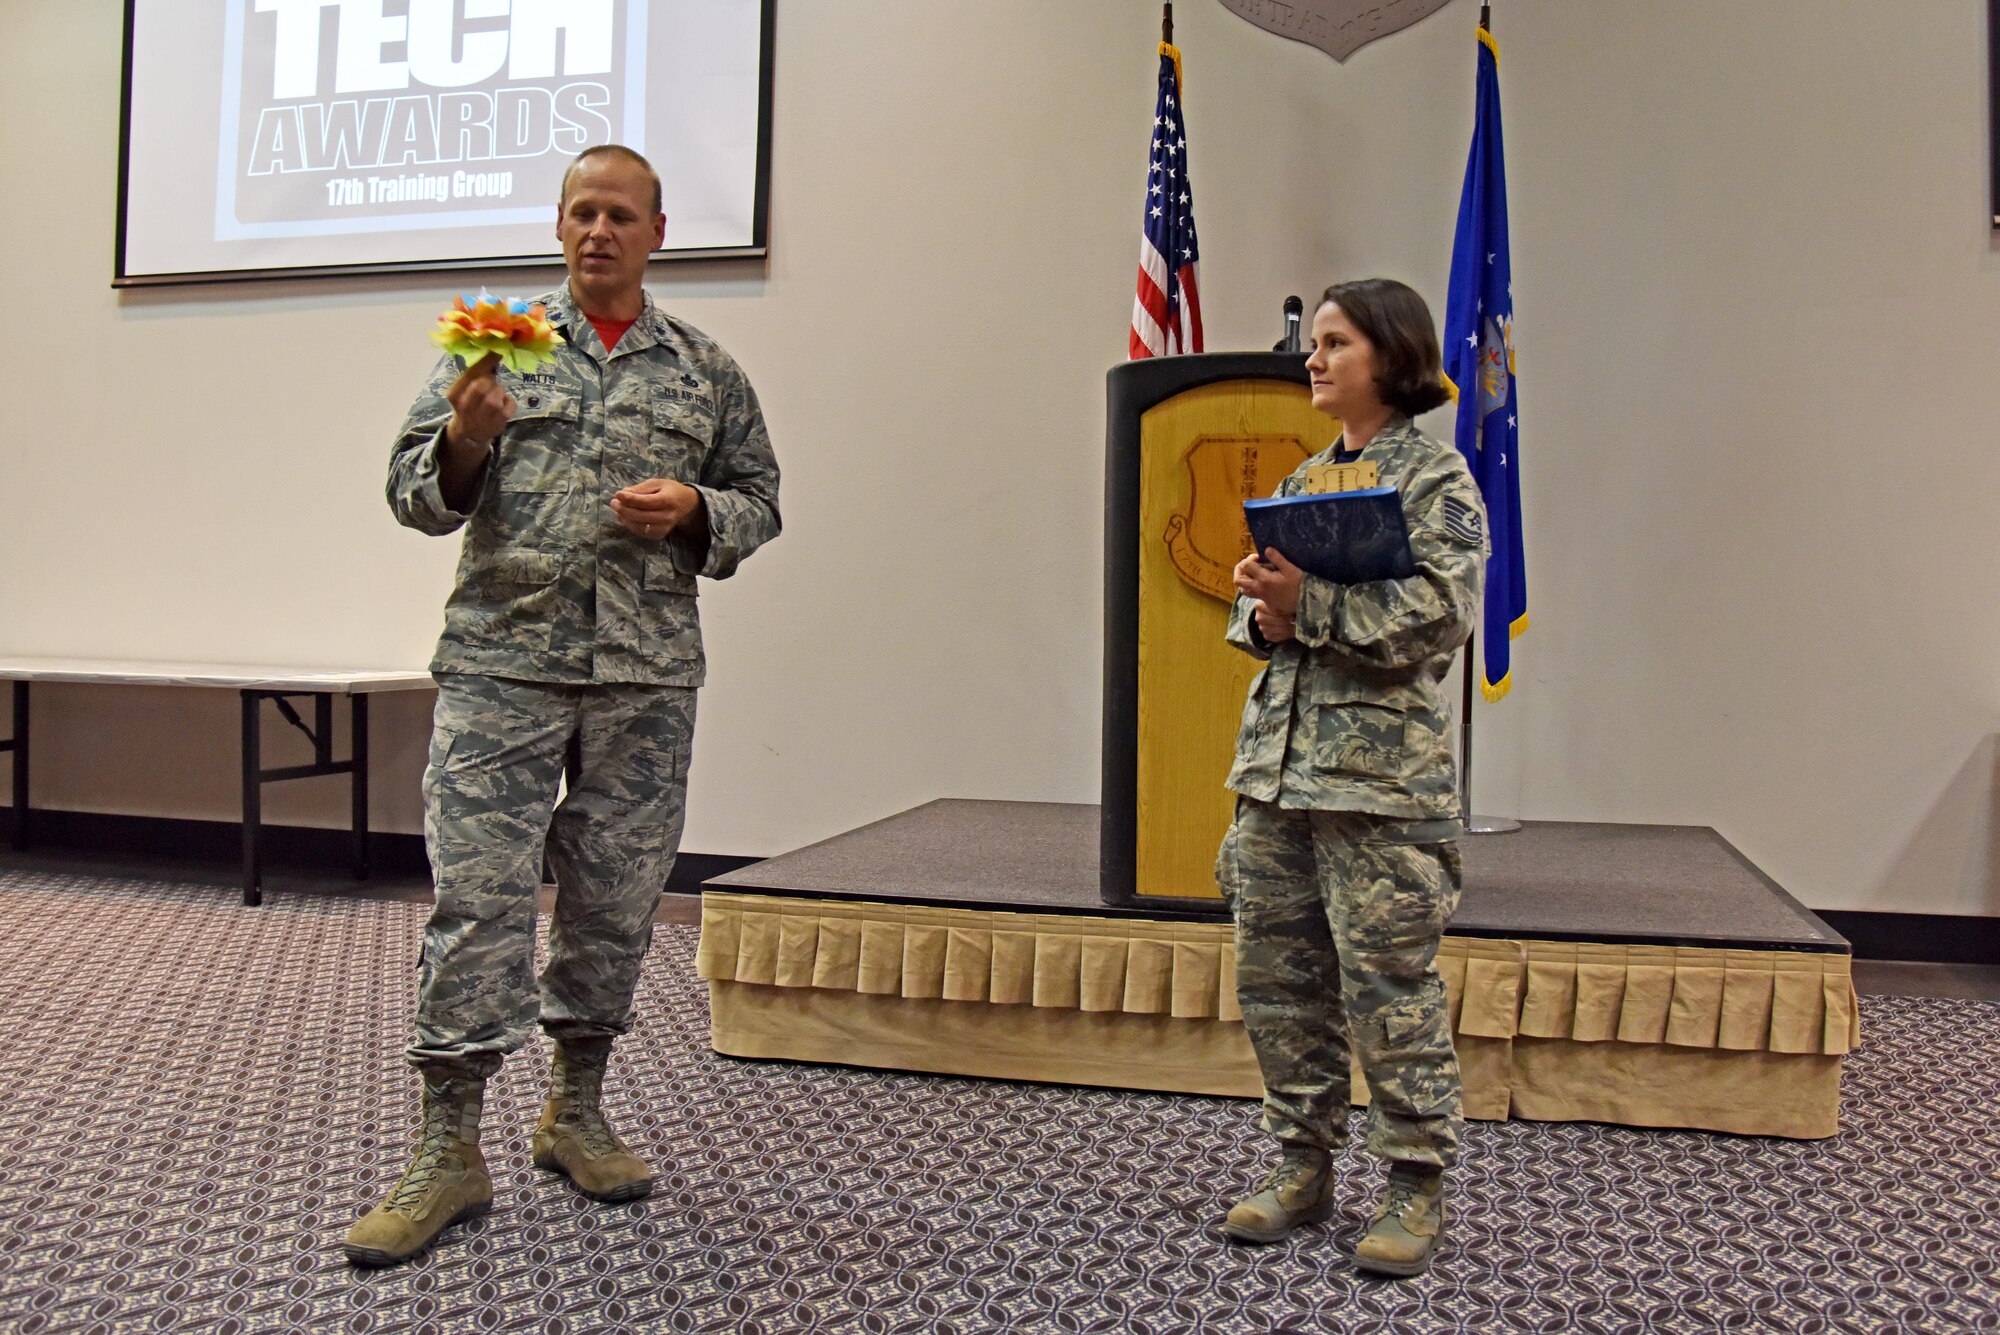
pixel 476 327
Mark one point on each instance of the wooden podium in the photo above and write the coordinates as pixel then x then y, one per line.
pixel 1188 440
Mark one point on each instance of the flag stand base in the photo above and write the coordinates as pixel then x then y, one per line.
pixel 1491 825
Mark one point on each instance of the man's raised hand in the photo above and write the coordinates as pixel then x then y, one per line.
pixel 480 406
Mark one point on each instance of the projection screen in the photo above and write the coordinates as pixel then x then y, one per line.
pixel 280 138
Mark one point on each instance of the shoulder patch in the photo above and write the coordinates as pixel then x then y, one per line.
pixel 1463 522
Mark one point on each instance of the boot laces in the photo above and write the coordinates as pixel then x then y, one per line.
pixel 580 1084
pixel 426 1163
pixel 1298 1166
pixel 593 1130
pixel 1403 1193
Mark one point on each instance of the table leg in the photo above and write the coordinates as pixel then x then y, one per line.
pixel 20 750
pixel 253 804
pixel 358 750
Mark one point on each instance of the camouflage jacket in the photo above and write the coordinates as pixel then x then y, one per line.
pixel 1352 715
pixel 549 587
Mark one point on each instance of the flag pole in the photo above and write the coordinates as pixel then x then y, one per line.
pixel 1474 824
pixel 1167 22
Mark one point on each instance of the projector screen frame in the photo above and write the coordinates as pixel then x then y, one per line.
pixel 758 249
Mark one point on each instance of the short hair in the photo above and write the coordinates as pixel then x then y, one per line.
pixel 1395 319
pixel 601 150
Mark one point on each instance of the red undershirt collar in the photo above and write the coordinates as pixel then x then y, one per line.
pixel 610 331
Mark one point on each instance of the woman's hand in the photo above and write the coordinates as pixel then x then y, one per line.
pixel 1272 581
pixel 1275 627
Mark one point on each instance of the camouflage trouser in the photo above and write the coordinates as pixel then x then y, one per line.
pixel 1338 916
pixel 497 749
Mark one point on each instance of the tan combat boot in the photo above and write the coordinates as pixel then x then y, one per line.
pixel 1408 1222
pixel 1298 1191
pixel 445 1183
pixel 573 1138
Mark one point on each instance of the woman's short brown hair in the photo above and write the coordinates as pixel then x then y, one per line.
pixel 1395 319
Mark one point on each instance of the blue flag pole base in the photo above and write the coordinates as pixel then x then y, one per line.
pixel 1491 825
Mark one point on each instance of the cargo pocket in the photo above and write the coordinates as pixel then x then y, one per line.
pixel 1415 1071
pixel 1408 1034
pixel 671 629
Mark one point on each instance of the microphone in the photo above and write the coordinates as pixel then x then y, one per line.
pixel 1294 308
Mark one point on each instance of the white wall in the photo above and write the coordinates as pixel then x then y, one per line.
pixel 1757 304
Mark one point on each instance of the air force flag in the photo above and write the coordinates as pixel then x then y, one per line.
pixel 1479 359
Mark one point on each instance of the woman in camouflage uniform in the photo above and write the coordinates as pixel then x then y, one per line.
pixel 1340 868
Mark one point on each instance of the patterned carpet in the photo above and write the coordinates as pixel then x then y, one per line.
pixel 204 1096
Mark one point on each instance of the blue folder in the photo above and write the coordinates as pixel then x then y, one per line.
pixel 1349 537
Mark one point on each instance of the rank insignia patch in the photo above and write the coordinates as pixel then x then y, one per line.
pixel 1463 522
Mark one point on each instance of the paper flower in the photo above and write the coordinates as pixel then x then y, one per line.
pixel 477 326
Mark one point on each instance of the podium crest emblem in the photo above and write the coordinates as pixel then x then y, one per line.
pixel 1207 539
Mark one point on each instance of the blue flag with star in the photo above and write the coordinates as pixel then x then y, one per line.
pixel 1479 359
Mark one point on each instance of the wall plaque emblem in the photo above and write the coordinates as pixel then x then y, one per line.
pixel 1206 540
pixel 1337 27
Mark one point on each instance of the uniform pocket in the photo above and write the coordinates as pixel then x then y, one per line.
pixel 692 421
pixel 671 621
pixel 538 403
pixel 529 468
pixel 503 607
pixel 663 576
pixel 533 479
pixel 1399 899
pixel 510 582
pixel 1413 1072
pixel 1414 1028
pixel 513 568
pixel 529 458
pixel 1362 737
pixel 681 437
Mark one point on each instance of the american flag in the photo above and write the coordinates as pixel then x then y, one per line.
pixel 1166 315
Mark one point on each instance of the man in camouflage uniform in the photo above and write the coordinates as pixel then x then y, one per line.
pixel 593 493
pixel 1340 868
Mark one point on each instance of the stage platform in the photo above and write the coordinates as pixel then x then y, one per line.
pixel 1649 975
